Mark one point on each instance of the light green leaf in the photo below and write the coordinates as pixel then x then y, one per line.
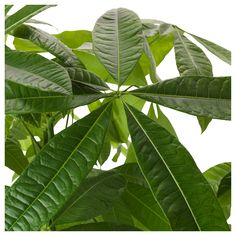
pixel 219 177
pixel 56 172
pixel 173 177
pixel 161 119
pixel 23 15
pixel 204 122
pixel 217 50
pixel 14 157
pixel 143 207
pixel 118 42
pixel 49 43
pixel 94 197
pixel 195 95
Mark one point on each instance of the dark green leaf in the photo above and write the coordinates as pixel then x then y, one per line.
pixel 102 226
pixel 143 207
pixel 190 59
pixel 23 15
pixel 56 172
pixel 49 43
pixel 94 197
pixel 105 150
pixel 204 122
pixel 14 157
pixel 217 50
pixel 86 77
pixel 195 95
pixel 173 177
pixel 118 42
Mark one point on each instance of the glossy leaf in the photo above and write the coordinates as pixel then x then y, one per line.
pixel 86 77
pixel 195 95
pixel 14 157
pixel 35 84
pixel 56 172
pixel 23 15
pixel 158 154
pixel 143 206
pixel 217 50
pixel 95 196
pixel 118 42
pixel 49 43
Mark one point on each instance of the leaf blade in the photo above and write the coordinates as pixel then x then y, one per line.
pixel 152 141
pixel 118 42
pixel 48 192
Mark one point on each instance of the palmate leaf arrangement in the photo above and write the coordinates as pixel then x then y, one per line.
pixel 159 188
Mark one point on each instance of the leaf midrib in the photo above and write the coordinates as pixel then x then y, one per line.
pixel 173 177
pixel 61 168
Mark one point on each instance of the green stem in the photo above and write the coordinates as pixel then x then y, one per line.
pixel 67 119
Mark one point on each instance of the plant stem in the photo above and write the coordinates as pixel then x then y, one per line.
pixel 67 119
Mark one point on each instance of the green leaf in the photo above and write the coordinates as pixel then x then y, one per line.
pixel 102 226
pixel 131 155
pixel 119 130
pixel 173 177
pixel 119 214
pixel 219 177
pixel 106 149
pixel 14 157
pixel 118 42
pixel 23 15
pixel 143 207
pixel 160 46
pixel 35 84
pixel 190 59
pixel 73 39
pixel 217 50
pixel 7 8
pixel 195 95
pixel 161 119
pixel 56 172
pixel 86 77
pixel 204 122
pixel 49 43
pixel 94 197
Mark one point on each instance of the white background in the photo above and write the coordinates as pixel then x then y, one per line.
pixel 212 20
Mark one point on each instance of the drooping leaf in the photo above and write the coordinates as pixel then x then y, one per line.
pixel 23 15
pixel 86 77
pixel 219 177
pixel 173 177
pixel 35 84
pixel 102 226
pixel 14 157
pixel 217 50
pixel 118 42
pixel 190 59
pixel 49 43
pixel 195 95
pixel 56 172
pixel 94 197
pixel 143 207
